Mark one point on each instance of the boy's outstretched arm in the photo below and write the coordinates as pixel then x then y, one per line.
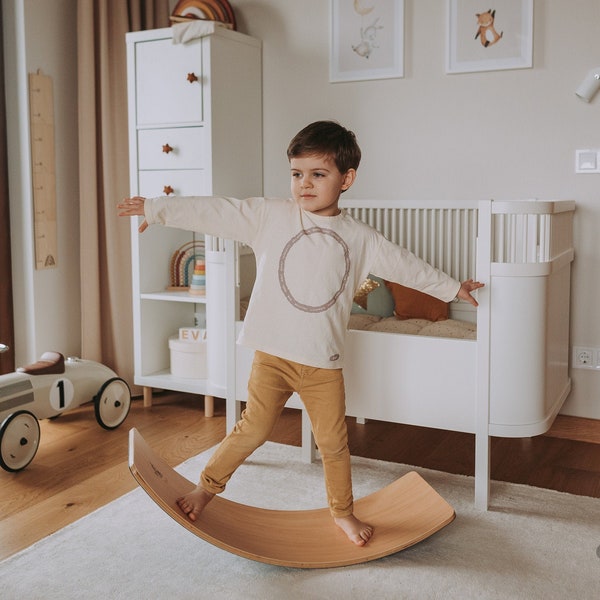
pixel 466 287
pixel 133 207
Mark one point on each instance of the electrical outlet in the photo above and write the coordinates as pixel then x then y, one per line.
pixel 586 358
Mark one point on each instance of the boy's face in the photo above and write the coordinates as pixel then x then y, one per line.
pixel 317 184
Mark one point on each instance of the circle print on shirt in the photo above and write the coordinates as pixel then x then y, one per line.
pixel 321 257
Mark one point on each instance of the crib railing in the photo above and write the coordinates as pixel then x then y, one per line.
pixel 531 231
pixel 444 236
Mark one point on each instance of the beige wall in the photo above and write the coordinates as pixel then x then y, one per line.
pixel 503 134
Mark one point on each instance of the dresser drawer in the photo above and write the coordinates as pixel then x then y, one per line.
pixel 173 148
pixel 168 82
pixel 193 182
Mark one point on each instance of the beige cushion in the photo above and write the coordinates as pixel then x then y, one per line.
pixel 451 328
pixel 362 320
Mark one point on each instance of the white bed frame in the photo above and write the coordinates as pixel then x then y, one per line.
pixel 512 380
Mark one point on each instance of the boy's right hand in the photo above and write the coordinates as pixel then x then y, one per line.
pixel 466 287
pixel 133 207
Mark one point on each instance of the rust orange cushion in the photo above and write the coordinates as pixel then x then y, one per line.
pixel 412 304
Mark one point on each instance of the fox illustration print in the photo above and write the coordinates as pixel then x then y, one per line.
pixel 486 32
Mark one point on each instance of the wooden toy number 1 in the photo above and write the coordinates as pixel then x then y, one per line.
pixel 41 109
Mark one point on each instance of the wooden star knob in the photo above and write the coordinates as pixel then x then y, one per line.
pixel 167 148
pixel 168 190
pixel 191 77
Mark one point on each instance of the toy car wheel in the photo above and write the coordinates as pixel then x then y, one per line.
pixel 112 403
pixel 19 440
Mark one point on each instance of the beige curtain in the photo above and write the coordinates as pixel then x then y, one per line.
pixel 104 174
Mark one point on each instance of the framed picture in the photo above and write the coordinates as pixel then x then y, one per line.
pixel 367 40
pixel 484 39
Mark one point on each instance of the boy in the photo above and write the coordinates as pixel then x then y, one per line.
pixel 311 258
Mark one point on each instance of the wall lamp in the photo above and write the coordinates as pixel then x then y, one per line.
pixel 589 86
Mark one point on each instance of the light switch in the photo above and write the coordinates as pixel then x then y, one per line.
pixel 587 161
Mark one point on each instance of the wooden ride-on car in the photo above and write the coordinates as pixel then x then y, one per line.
pixel 45 390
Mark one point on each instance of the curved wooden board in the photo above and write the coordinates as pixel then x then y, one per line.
pixel 402 514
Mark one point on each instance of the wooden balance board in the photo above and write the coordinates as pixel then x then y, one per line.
pixel 402 514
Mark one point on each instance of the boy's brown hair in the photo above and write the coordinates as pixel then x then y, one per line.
pixel 327 138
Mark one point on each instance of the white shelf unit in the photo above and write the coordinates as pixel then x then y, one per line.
pixel 195 129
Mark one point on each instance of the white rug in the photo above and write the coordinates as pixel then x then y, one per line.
pixel 533 543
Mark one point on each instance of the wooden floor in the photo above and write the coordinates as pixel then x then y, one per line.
pixel 80 466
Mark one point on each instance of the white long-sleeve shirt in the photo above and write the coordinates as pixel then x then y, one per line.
pixel 308 269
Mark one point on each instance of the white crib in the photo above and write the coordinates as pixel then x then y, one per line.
pixel 509 382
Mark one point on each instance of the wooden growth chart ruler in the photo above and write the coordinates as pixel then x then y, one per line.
pixel 41 116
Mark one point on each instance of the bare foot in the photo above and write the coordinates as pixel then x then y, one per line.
pixel 193 504
pixel 358 532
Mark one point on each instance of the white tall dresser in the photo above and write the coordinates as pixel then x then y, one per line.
pixel 195 128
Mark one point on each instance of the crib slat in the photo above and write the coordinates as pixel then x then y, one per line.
pixel 545 249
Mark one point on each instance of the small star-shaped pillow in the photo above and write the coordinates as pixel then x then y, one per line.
pixel 365 288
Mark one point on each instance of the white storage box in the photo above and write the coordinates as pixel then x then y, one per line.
pixel 188 359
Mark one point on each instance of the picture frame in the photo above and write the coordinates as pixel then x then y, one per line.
pixel 367 40
pixel 497 39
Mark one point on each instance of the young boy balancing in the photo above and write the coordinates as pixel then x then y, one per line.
pixel 311 257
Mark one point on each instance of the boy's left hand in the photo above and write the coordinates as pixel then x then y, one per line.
pixel 466 287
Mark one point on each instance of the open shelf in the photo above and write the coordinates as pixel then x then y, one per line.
pixel 165 380
pixel 172 296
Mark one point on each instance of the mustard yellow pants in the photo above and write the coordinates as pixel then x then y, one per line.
pixel 272 382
